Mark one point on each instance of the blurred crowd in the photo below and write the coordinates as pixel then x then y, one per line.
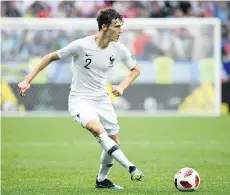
pixel 154 9
pixel 39 43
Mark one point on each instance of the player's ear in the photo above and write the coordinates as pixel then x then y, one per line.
pixel 104 27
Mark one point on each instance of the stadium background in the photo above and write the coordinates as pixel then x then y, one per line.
pixel 22 50
pixel 43 155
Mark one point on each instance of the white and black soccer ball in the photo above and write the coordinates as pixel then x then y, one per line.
pixel 187 179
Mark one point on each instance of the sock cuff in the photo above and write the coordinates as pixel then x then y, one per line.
pixel 113 149
pixel 102 136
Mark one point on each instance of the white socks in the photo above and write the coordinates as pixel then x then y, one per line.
pixel 113 150
pixel 106 164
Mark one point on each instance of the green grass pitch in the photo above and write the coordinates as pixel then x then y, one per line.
pixel 55 156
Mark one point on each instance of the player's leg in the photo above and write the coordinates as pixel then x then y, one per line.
pixel 115 138
pixel 106 162
pixel 84 113
pixel 110 152
pixel 109 145
pixel 109 121
pixel 136 175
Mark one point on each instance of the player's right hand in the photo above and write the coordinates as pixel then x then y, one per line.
pixel 23 87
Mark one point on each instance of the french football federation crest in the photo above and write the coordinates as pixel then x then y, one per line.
pixel 112 59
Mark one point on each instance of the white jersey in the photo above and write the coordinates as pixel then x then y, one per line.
pixel 90 65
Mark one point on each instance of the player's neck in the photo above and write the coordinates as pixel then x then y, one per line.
pixel 102 41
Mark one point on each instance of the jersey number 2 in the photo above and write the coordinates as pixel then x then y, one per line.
pixel 88 62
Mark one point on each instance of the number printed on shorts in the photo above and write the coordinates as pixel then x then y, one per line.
pixel 88 62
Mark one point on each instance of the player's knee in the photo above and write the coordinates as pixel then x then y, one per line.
pixel 97 130
pixel 95 127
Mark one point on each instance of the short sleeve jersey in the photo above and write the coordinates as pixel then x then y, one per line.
pixel 90 65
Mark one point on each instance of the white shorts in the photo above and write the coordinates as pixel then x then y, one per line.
pixel 83 111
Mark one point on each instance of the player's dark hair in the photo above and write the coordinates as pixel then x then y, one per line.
pixel 105 16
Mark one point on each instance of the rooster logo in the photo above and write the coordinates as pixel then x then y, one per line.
pixel 112 59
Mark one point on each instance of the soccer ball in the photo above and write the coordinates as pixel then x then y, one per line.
pixel 187 179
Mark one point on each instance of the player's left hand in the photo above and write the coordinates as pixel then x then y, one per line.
pixel 117 90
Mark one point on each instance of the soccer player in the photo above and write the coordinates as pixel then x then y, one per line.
pixel 89 103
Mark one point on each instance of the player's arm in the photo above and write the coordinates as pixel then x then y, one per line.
pixel 133 74
pixel 128 59
pixel 67 51
pixel 45 61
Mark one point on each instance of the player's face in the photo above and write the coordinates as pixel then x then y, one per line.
pixel 115 29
